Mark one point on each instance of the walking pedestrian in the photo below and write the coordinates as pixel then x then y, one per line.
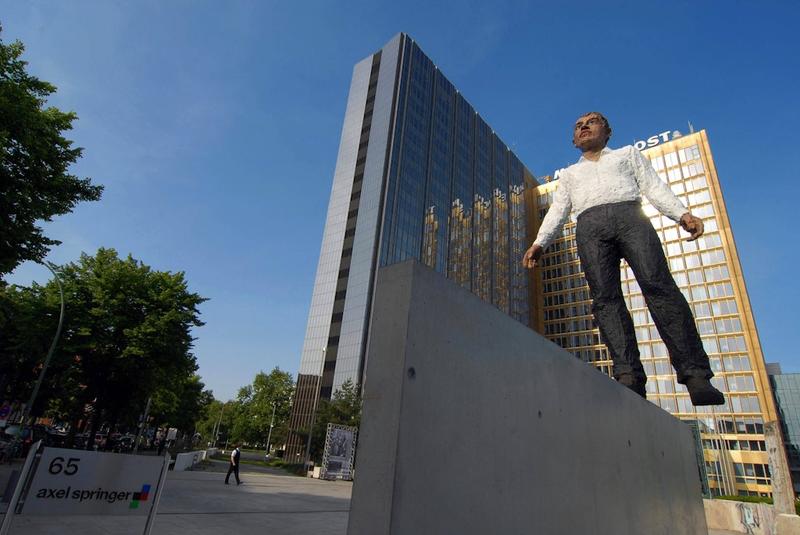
pixel 234 466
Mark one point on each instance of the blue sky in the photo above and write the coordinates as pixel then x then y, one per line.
pixel 214 127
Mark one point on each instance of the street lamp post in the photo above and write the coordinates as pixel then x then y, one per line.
pixel 271 425
pixel 142 425
pixel 314 409
pixel 26 411
pixel 219 423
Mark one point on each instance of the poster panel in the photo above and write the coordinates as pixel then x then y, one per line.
pixel 340 444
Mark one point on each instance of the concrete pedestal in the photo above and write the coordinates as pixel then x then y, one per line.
pixel 475 424
pixel 787 525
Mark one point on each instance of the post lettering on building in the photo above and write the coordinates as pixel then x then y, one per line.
pixel 657 139
pixel 652 141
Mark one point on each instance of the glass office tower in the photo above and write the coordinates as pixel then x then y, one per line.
pixel 419 175
pixel 710 276
pixel 786 387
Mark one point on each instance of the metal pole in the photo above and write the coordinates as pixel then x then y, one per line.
pixel 151 516
pixel 314 409
pixel 271 424
pixel 142 424
pixel 27 409
pixel 219 423
pixel 24 475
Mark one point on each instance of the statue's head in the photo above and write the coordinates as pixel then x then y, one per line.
pixel 591 131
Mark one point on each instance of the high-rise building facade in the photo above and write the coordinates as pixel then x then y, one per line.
pixel 419 175
pixel 709 274
pixel 786 388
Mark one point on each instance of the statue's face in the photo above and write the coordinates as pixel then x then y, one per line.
pixel 590 132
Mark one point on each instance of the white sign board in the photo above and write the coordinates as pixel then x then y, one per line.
pixel 185 461
pixel 77 482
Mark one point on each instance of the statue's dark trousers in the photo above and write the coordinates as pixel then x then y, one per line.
pixel 607 233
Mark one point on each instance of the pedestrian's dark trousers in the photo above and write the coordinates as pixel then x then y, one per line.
pixel 607 233
pixel 233 468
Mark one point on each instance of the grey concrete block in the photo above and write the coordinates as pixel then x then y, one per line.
pixel 475 424
pixel 786 524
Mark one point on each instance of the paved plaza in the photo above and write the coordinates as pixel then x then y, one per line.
pixel 199 503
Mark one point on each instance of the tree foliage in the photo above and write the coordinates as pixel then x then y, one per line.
pixel 254 405
pixel 182 403
pixel 215 414
pixel 247 419
pixel 35 183
pixel 126 336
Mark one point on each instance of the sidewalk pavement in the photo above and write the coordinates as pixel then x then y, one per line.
pixel 199 503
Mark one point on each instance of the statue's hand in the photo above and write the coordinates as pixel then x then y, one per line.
pixel 532 256
pixel 693 225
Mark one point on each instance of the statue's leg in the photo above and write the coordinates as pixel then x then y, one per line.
pixel 671 313
pixel 600 257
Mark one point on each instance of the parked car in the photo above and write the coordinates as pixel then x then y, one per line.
pixel 80 440
pixel 100 440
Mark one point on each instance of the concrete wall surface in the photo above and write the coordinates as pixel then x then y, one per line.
pixel 740 517
pixel 787 525
pixel 752 518
pixel 474 424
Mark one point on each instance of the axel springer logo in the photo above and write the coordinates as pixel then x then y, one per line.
pixel 140 496
pixel 96 495
pixel 93 482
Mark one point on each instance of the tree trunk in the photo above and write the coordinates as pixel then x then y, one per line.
pixel 96 419
pixel 73 428
pixel 112 424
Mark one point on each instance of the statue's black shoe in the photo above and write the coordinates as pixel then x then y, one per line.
pixel 703 392
pixel 627 379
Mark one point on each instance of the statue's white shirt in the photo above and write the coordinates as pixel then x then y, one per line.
pixel 619 175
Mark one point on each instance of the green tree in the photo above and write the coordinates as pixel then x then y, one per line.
pixel 181 404
pixel 207 423
pixel 255 404
pixel 217 416
pixel 35 183
pixel 28 320
pixel 126 336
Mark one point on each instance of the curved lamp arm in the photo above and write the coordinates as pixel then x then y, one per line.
pixel 29 406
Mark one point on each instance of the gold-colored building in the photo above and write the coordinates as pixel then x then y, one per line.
pixel 709 274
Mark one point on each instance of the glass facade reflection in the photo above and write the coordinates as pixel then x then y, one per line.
pixel 786 387
pixel 709 274
pixel 419 175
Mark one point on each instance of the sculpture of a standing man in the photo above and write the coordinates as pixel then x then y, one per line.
pixel 604 190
